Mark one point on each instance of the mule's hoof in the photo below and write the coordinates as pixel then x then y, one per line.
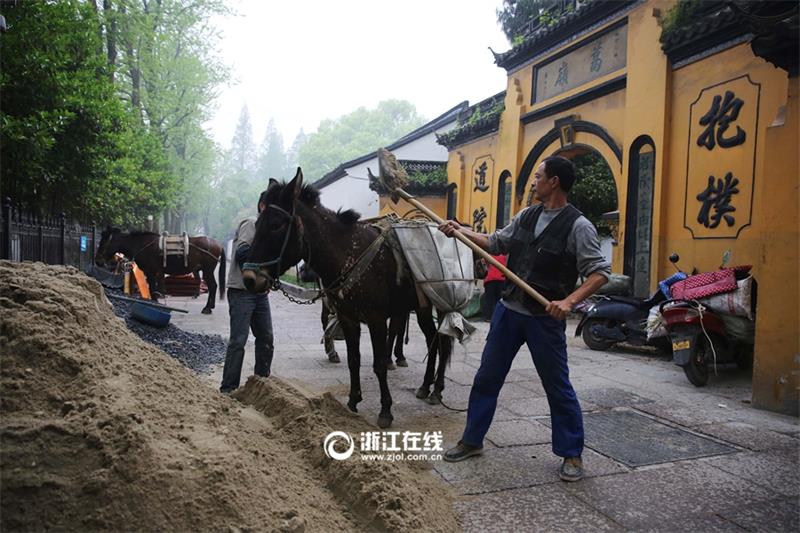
pixel 390 366
pixel 206 311
pixel 402 362
pixel 422 393
pixel 435 398
pixel 385 421
pixel 333 357
pixel 352 406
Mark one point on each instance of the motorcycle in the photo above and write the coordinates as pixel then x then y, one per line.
pixel 702 337
pixel 612 319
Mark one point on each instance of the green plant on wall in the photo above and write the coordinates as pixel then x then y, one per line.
pixel 433 179
pixel 678 16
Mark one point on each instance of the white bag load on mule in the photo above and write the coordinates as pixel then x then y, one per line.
pixel 443 268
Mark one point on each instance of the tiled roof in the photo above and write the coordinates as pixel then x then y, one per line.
pixel 568 24
pixel 771 27
pixel 713 23
pixel 413 167
pixel 488 121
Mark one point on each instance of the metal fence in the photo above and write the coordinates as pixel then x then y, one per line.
pixel 53 240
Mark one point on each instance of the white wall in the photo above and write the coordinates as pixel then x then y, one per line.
pixel 351 193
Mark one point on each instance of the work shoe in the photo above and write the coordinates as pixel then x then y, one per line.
pixel 402 362
pixel 571 469
pixel 462 451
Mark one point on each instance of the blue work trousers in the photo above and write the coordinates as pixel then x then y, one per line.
pixel 248 312
pixel 547 343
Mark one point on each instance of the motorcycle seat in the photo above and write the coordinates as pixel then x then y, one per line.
pixel 638 303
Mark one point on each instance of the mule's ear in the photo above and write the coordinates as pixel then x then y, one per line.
pixel 296 185
pixel 272 182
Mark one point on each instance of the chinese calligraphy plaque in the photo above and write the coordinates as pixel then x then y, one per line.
pixel 598 57
pixel 482 193
pixel 720 163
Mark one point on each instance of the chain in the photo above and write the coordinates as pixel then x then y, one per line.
pixel 278 286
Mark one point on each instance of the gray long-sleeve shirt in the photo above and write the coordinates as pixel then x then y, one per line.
pixel 582 242
pixel 244 235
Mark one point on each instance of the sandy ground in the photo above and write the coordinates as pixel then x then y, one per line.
pixel 101 430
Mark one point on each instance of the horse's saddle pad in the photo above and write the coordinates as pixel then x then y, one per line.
pixel 174 245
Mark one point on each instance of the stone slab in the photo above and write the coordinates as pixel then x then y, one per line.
pixel 766 469
pixel 516 467
pixel 749 436
pixel 543 508
pixel 772 516
pixel 518 433
pixel 654 498
pixel 611 397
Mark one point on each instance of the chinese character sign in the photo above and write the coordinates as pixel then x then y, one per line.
pixel 601 55
pixel 723 130
pixel 482 192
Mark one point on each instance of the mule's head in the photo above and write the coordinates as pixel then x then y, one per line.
pixel 278 242
pixel 109 242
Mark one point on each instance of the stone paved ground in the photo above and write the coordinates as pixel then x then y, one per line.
pixel 661 454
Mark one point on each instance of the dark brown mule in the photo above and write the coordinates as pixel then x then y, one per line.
pixel 296 226
pixel 142 247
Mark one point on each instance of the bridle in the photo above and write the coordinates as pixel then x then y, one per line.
pixel 257 267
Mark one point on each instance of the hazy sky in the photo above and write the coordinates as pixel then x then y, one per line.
pixel 300 62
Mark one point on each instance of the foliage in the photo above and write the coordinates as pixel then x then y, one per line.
pixel 67 143
pixel 678 16
pixel 479 114
pixel 594 191
pixel 429 180
pixel 103 105
pixel 272 158
pixel 293 154
pixel 517 16
pixel 355 134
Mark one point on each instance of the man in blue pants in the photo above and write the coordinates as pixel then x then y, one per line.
pixel 548 246
pixel 247 311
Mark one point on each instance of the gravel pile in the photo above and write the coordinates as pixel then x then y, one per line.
pixel 194 350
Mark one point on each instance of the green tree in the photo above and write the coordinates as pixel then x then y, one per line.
pixel 352 135
pixel 292 155
pixel 594 191
pixel 163 58
pixel 271 157
pixel 514 15
pixel 67 143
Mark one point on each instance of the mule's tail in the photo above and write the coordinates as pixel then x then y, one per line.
pixel 222 264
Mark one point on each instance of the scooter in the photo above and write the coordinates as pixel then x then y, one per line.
pixel 612 319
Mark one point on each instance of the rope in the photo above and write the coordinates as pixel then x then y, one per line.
pixel 699 310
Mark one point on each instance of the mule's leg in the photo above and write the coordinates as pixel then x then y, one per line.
pixel 211 283
pixel 352 334
pixel 445 350
pixel 398 345
pixel 428 327
pixel 327 337
pixel 377 334
pixel 395 331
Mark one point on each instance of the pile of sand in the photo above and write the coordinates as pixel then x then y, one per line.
pixel 100 430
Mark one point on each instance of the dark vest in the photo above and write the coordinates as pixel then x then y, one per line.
pixel 543 262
